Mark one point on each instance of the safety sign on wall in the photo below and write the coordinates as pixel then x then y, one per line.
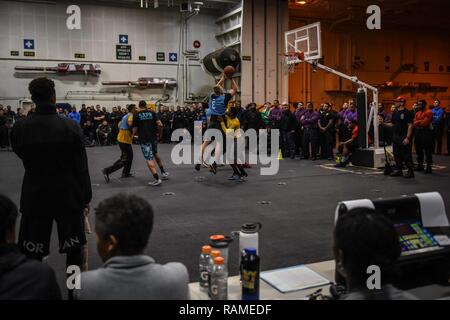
pixel 123 52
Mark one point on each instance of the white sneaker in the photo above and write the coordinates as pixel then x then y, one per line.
pixel 165 176
pixel 155 183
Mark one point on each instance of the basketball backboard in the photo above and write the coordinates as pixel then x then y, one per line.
pixel 305 39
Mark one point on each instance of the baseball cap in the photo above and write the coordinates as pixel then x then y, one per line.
pixel 400 98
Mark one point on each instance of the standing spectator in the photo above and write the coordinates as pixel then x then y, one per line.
pixel 240 111
pixel 83 113
pixel 106 114
pixel 114 121
pixel 288 124
pixel 123 225
pixel 10 114
pixel 3 129
pixel 166 120
pixel 19 114
pixel 438 126
pixel 275 115
pixel 265 113
pixel 340 126
pixel 75 116
pixel 99 116
pixel 402 124
pixel 299 111
pixel 21 278
pixel 56 184
pixel 423 140
pixel 309 122
pixel 384 133
pixel 326 127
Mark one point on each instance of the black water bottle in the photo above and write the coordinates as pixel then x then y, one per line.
pixel 250 274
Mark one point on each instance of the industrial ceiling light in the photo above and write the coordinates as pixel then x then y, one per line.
pixel 302 2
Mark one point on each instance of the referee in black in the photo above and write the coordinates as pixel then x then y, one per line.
pixel 56 185
pixel 402 124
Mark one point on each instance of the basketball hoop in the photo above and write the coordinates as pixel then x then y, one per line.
pixel 292 59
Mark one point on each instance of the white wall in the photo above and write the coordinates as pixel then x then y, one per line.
pixel 149 31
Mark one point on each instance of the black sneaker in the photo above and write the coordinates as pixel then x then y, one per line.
pixel 197 167
pixel 105 175
pixel 398 173
pixel 213 168
pixel 129 175
pixel 410 174
pixel 428 170
pixel 340 165
pixel 419 167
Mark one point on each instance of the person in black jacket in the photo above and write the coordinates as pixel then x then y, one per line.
pixel 21 278
pixel 56 185
pixel 288 124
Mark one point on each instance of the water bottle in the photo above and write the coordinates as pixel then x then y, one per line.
pixel 214 254
pixel 221 243
pixel 219 280
pixel 248 236
pixel 205 268
pixel 250 274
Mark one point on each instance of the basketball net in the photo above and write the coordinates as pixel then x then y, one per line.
pixel 292 59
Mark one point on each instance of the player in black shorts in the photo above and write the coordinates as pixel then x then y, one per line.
pixel 146 124
pixel 56 185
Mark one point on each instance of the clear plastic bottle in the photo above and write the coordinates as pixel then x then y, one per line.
pixel 214 254
pixel 219 280
pixel 205 268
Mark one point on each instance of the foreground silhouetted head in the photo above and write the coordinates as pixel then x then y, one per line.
pixel 42 91
pixel 363 238
pixel 123 224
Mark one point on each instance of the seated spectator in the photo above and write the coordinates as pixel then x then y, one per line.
pixel 123 226
pixel 88 131
pixel 363 238
pixel 350 145
pixel 21 278
pixel 104 133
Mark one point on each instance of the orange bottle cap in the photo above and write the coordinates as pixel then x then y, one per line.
pixel 215 253
pixel 217 237
pixel 206 249
pixel 219 260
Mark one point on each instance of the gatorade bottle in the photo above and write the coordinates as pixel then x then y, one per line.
pixel 214 254
pixel 250 275
pixel 219 280
pixel 205 268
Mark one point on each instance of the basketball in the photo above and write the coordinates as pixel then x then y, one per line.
pixel 229 71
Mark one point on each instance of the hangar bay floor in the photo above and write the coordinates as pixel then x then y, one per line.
pixel 297 216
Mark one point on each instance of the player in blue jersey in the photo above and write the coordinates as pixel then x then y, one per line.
pixel 218 102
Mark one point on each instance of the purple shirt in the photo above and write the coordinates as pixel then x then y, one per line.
pixel 349 116
pixel 310 120
pixel 387 117
pixel 298 114
pixel 275 114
